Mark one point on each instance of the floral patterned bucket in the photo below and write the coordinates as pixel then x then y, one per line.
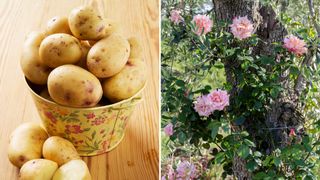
pixel 93 130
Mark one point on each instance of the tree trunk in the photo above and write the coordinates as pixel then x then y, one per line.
pixel 285 110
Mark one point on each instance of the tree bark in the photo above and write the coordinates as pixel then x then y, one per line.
pixel 285 110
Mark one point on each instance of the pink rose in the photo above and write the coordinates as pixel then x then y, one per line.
pixel 203 105
pixel 50 116
pixel 186 170
pixel 241 27
pixel 292 132
pixel 295 45
pixel 219 99
pixel 175 16
pixel 168 130
pixel 203 24
pixel 97 121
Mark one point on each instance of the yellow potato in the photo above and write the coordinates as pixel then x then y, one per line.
pixel 86 24
pixel 126 83
pixel 73 86
pixel 59 150
pixel 38 169
pixel 135 48
pixel 31 65
pixel 26 143
pixel 58 24
pixel 59 49
pixel 85 47
pixel 108 56
pixel 73 170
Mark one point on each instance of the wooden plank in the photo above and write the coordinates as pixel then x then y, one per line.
pixel 137 157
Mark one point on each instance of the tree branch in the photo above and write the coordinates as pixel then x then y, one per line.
pixel 313 17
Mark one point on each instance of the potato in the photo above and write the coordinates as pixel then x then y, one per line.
pixel 126 83
pixel 135 48
pixel 38 169
pixel 26 143
pixel 59 49
pixel 31 65
pixel 59 150
pixel 108 56
pixel 45 94
pixel 86 24
pixel 58 24
pixel 85 47
pixel 73 170
pixel 73 86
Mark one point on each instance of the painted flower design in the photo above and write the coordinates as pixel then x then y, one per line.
pixel 50 116
pixel 175 16
pixel 295 45
pixel 203 105
pixel 219 99
pixel 203 24
pixel 97 121
pixel 90 115
pixel 241 27
pixel 168 130
pixel 74 129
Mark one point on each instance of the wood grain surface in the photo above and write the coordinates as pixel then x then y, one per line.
pixel 137 157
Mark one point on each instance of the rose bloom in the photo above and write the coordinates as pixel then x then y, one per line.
pixel 295 45
pixel 219 99
pixel 175 16
pixel 186 170
pixel 168 130
pixel 241 27
pixel 203 24
pixel 203 105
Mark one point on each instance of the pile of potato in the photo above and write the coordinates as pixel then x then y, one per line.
pixel 82 58
pixel 40 157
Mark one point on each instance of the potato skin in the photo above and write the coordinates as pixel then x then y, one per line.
pixel 85 47
pixel 26 143
pixel 31 65
pixel 58 24
pixel 59 150
pixel 135 48
pixel 86 24
pixel 73 170
pixel 111 27
pixel 45 94
pixel 126 83
pixel 73 86
pixel 38 169
pixel 108 56
pixel 59 49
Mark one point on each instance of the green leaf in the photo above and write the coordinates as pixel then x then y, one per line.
pixel 277 161
pixel 182 137
pixel 252 165
pixel 244 151
pixel 274 92
pixel 214 129
pixel 240 120
pixel 219 158
pixel 249 143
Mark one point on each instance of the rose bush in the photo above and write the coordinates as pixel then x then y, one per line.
pixel 221 113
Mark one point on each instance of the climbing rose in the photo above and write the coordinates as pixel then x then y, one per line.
pixel 186 170
pixel 292 132
pixel 175 16
pixel 219 99
pixel 203 23
pixel 203 105
pixel 241 27
pixel 168 130
pixel 171 174
pixel 295 45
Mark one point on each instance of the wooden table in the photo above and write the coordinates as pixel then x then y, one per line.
pixel 137 157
